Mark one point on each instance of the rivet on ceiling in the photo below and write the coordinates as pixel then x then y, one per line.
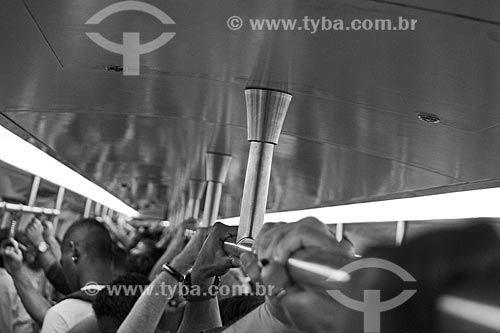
pixel 429 118
pixel 114 68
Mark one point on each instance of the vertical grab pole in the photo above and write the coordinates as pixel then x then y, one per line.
pixel 58 205
pixel 97 209
pixel 339 232
pixel 188 212
pixel 266 112
pixel 217 166
pixel 88 205
pixel 216 170
pixel 34 191
pixel 196 190
pixel 400 232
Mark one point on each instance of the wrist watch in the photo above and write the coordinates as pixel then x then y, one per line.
pixel 42 247
pixel 174 273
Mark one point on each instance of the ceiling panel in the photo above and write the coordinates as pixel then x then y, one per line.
pixel 447 66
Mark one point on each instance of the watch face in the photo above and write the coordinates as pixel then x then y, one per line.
pixel 43 247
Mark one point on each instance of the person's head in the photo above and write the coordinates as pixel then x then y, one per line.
pixel 143 257
pixel 112 304
pixel 86 247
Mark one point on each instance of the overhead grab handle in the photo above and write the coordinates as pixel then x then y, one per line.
pixel 266 112
pixel 217 166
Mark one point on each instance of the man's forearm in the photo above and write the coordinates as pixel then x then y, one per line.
pixel 47 259
pixel 121 235
pixel 149 308
pixel 204 315
pixel 187 255
pixel 54 247
pixel 36 305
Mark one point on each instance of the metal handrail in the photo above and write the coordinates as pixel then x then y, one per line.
pixel 28 209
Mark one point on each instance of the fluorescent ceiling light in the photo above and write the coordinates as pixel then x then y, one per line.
pixel 456 205
pixel 482 314
pixel 25 156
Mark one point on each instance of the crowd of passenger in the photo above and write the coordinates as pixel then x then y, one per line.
pixel 104 276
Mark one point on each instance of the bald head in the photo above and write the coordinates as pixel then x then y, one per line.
pixel 91 238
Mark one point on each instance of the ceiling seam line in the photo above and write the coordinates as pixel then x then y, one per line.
pixel 377 156
pixel 436 11
pixel 41 32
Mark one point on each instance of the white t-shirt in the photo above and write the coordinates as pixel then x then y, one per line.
pixel 66 314
pixel 13 315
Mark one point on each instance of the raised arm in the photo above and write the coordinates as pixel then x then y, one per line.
pixel 49 234
pixel 46 256
pixel 47 251
pixel 150 307
pixel 165 238
pixel 117 232
pixel 36 305
pixel 202 313
pixel 174 247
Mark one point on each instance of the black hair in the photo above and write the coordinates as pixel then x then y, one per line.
pixel 92 237
pixel 117 302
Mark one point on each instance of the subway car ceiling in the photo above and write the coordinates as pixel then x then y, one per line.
pixel 352 132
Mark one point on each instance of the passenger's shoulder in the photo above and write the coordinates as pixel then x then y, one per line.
pixel 70 304
pixel 54 321
pixel 65 314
